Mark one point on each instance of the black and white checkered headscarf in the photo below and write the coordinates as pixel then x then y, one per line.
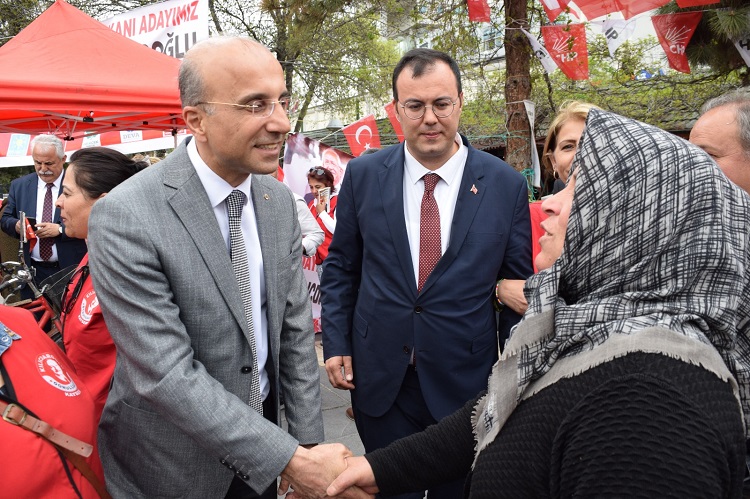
pixel 657 245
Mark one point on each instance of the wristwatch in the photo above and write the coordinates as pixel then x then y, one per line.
pixel 60 228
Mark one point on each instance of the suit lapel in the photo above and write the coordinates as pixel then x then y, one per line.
pixel 470 195
pixel 265 206
pixel 187 197
pixel 391 180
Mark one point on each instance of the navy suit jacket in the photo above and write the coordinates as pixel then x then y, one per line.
pixel 22 197
pixel 371 308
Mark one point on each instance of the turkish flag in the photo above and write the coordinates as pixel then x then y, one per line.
pixel 674 32
pixel 362 134
pixel 566 45
pixel 554 8
pixel 390 108
pixel 684 4
pixel 479 11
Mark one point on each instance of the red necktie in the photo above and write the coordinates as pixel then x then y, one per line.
pixel 45 244
pixel 429 230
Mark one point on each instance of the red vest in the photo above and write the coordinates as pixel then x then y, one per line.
pixel 322 251
pixel 45 383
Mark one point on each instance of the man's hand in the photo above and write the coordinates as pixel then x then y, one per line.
pixel 334 368
pixel 47 229
pixel 510 292
pixel 18 226
pixel 358 473
pixel 310 471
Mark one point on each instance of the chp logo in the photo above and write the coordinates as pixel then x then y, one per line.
pixel 88 306
pixel 53 373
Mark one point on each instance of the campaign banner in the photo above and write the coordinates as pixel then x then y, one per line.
pixel 531 115
pixel 170 27
pixel 674 32
pixel 390 108
pixel 553 8
pixel 567 46
pixel 362 135
pixel 301 154
pixel 743 47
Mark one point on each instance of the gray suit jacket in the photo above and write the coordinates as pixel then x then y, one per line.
pixel 177 421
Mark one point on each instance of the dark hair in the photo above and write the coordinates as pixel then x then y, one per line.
pixel 419 60
pixel 322 175
pixel 99 169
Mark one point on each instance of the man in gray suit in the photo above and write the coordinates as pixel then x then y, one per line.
pixel 193 351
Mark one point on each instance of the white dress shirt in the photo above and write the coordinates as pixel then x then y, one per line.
pixel 446 194
pixel 218 189
pixel 312 235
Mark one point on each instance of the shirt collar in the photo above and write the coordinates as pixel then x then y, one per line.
pixel 216 187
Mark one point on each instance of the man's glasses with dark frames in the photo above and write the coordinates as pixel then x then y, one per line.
pixel 442 108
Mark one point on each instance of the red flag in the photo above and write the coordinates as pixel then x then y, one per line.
pixel 390 108
pixel 684 4
pixel 362 134
pixel 674 32
pixel 30 236
pixel 554 8
pixel 631 8
pixel 597 8
pixel 567 47
pixel 479 11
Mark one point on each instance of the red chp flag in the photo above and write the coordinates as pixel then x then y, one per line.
pixel 674 32
pixel 362 134
pixel 390 108
pixel 553 8
pixel 479 11
pixel 567 47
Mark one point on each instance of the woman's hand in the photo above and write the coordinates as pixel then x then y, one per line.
pixel 510 294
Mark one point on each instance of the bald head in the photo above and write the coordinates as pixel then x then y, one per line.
pixel 220 53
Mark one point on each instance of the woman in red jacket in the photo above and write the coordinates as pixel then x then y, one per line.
pixel 92 173
pixel 38 382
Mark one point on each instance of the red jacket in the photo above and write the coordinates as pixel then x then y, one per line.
pixel 87 341
pixel 39 377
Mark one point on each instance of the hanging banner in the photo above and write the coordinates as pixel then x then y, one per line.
pixel 479 11
pixel 616 31
pixel 390 108
pixel 531 114
pixel 743 47
pixel 170 27
pixel 541 53
pixel 674 32
pixel 362 135
pixel 684 4
pixel 597 8
pixel 553 8
pixel 300 155
pixel 567 46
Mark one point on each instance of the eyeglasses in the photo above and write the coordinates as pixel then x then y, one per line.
pixel 260 108
pixel 69 301
pixel 442 108
pixel 317 171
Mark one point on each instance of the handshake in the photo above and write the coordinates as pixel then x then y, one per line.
pixel 328 470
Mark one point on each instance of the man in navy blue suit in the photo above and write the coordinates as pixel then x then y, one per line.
pixel 417 338
pixel 30 194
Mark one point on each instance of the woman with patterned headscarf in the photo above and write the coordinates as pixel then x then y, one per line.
pixel 630 372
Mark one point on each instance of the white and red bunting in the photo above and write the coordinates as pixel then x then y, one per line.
pixel 674 32
pixel 616 31
pixel 566 45
pixel 553 8
pixel 542 53
pixel 684 4
pixel 362 135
